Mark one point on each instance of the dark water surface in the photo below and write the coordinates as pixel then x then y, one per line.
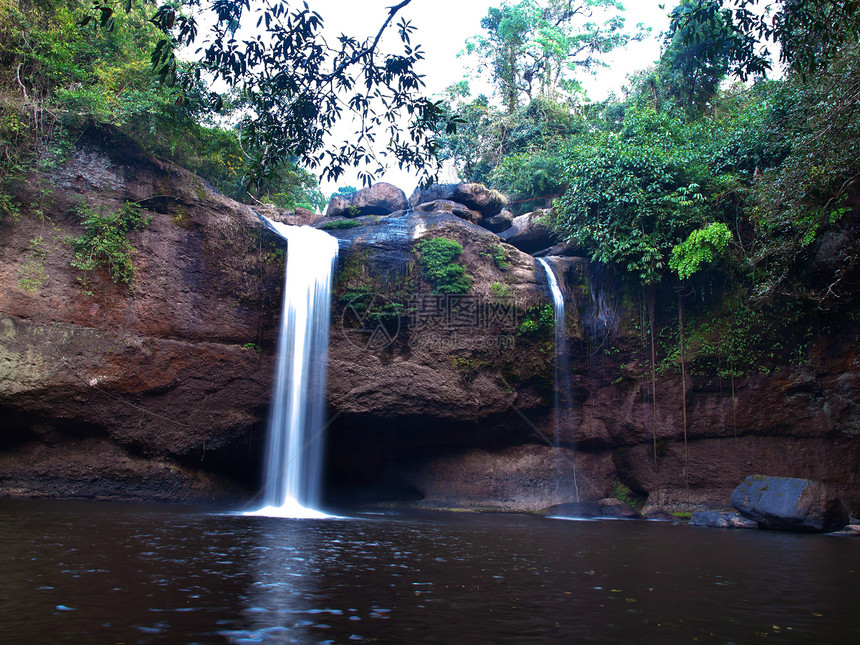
pixel 117 573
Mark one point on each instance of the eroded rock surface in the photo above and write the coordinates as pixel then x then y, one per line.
pixel 162 391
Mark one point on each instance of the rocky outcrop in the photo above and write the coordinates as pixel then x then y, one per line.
pixel 450 207
pixel 161 391
pixel 154 391
pixel 498 223
pixel 378 199
pixel 473 196
pixel 528 233
pixel 296 217
pixel 789 504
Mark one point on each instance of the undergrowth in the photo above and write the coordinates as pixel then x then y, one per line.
pixel 105 244
pixel 439 265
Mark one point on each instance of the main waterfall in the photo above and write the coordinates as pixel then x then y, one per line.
pixel 294 451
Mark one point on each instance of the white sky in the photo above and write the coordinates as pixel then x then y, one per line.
pixel 443 26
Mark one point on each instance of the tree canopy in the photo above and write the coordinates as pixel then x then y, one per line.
pixel 533 48
pixel 291 84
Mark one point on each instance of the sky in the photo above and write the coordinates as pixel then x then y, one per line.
pixel 443 26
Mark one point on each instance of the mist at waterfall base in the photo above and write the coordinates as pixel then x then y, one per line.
pixel 294 444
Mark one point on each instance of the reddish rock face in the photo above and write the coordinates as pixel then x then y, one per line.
pixel 161 372
pixel 162 391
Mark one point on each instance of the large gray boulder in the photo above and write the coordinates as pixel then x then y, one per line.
pixel 498 223
pixel 789 504
pixel 528 233
pixel 447 206
pixel 476 197
pixel 379 199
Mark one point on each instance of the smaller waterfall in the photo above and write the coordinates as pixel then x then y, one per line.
pixel 561 391
pixel 294 450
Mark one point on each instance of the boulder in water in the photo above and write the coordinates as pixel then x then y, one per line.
pixel 789 504
pixel 722 520
pixel 379 199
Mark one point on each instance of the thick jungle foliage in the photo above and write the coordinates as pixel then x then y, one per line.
pixel 294 85
pixel 633 195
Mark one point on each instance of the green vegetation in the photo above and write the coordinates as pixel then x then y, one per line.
pixel 438 257
pixel 58 75
pixel 497 254
pixel 537 320
pixel 338 224
pixel 32 275
pixel 725 212
pixel 530 48
pixel 253 347
pixel 105 244
pixel 701 248
pixel 499 290
pixel 623 493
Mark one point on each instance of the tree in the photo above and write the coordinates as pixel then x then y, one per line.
pixel 55 75
pixel 294 85
pixel 808 33
pixel 696 55
pixel 532 48
pixel 635 194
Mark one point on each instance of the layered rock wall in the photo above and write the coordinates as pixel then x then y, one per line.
pixel 161 391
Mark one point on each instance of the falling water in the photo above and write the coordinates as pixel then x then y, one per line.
pixel 294 451
pixel 561 391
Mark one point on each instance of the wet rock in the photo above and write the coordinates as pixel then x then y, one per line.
pixel 448 206
pixel 559 249
pixel 297 217
pixel 528 233
pixel 607 508
pixel 722 520
pixel 659 514
pixel 379 199
pixel 789 504
pixel 498 223
pixel 473 196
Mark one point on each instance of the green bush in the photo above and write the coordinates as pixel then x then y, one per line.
pixel 104 243
pixel 439 267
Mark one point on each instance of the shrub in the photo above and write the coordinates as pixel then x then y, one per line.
pixel 104 243
pixel 439 267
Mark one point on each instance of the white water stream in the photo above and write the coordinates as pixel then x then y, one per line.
pixel 561 391
pixel 294 451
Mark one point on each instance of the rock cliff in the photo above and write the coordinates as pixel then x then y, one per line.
pixel 160 390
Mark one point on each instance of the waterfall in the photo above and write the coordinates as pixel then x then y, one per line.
pixel 561 404
pixel 294 449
